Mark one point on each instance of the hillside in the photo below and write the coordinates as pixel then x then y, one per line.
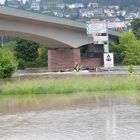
pixel 122 3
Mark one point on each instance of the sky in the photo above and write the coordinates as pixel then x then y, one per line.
pixel 1 1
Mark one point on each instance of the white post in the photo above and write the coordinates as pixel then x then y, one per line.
pixel 106 46
pixel 2 41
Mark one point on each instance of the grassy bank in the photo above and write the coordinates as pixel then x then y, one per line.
pixel 94 85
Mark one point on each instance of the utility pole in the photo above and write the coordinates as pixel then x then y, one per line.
pixel 106 44
pixel 2 41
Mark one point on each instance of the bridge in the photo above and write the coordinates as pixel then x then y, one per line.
pixel 62 36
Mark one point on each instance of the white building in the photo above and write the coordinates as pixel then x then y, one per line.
pixel 61 6
pixel 35 6
pixel 75 5
pixel 93 5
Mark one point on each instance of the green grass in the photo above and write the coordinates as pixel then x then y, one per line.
pixel 94 86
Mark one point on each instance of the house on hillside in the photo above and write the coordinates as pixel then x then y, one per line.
pixel 86 12
pixel 35 6
pixel 13 3
pixel 93 5
pixel 75 5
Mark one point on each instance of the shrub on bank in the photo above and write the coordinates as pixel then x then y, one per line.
pixel 8 63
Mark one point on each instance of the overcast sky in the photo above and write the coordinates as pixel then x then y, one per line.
pixel 1 1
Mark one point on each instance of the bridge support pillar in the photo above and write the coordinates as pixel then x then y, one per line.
pixel 62 59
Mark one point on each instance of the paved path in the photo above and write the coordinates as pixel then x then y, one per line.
pixel 117 70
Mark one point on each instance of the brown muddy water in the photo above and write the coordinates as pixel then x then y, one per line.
pixel 41 117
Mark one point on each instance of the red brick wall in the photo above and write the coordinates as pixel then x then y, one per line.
pixel 61 59
pixel 91 62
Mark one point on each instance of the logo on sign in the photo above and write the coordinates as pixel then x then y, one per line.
pixel 108 58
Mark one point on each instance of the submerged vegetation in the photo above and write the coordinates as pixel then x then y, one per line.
pixel 35 94
pixel 92 85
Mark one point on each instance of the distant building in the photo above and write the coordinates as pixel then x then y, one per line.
pixel 131 16
pixel 13 3
pixel 108 12
pixel 93 5
pixel 35 6
pixel 75 5
pixel 116 7
pixel 58 13
pixel 90 12
pixel 61 6
pixel 123 13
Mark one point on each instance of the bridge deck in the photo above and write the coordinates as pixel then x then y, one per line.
pixel 18 14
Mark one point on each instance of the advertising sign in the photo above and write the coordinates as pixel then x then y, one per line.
pixel 117 25
pixel 97 29
pixel 96 26
pixel 100 39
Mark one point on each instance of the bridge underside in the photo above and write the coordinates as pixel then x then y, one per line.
pixel 61 56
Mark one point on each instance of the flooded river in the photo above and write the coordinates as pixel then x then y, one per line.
pixel 108 118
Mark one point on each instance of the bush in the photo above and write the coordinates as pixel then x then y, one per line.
pixel 8 64
pixel 27 54
pixel 128 51
pixel 131 69
pixel 117 50
pixel 26 50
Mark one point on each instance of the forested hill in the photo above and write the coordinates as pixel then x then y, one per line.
pixel 122 3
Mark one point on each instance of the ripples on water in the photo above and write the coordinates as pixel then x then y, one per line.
pixel 117 122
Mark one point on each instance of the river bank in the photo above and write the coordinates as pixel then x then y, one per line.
pixel 101 71
pixel 68 85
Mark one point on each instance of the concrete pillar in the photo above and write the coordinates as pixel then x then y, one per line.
pixel 62 59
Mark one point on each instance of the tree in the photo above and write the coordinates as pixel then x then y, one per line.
pixel 27 54
pixel 8 63
pixel 130 48
pixel 117 50
pixel 124 42
pixel 132 54
pixel 136 27
pixel 127 51
pixel 26 50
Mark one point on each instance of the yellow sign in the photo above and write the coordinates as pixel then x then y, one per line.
pixel 39 52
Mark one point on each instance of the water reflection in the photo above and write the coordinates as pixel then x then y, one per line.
pixel 93 119
pixel 111 121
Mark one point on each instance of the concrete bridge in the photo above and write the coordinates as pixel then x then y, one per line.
pixel 62 36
